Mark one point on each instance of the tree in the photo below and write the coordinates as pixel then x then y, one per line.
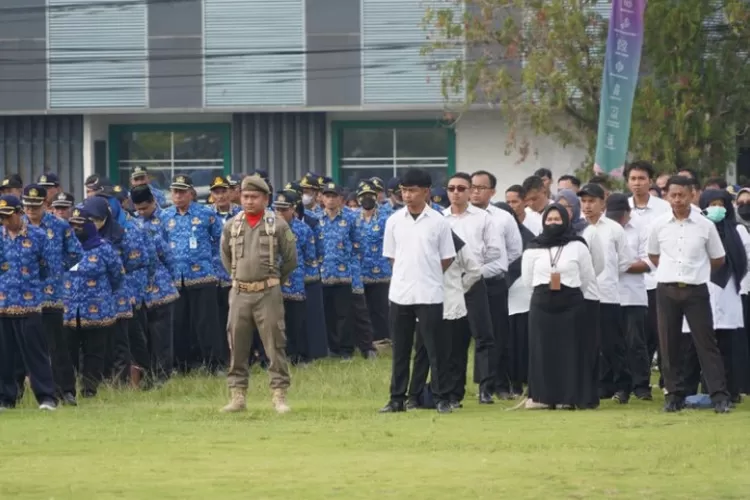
pixel 539 62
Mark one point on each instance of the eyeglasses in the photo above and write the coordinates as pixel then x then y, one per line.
pixel 480 188
pixel 460 189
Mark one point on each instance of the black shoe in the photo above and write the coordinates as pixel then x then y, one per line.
pixel 69 399
pixel 87 393
pixel 621 397
pixel 722 407
pixel 412 404
pixel 644 395
pixel 672 406
pixel 485 398
pixel 456 405
pixel 444 407
pixel 504 395
pixel 393 407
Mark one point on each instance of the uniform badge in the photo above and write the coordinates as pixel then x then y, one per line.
pixel 91 283
pixel 171 224
pixel 340 245
pixel 28 296
pixel 134 254
pixel 376 270
pixel 356 245
pixel 321 236
pixel 93 258
pixel 195 267
pixel 5 266
pixel 5 183
pixel 67 285
pixel 49 290
pixel 196 221
pixel 218 180
pixel 117 189
pixel 93 309
pixel 68 233
pixel 342 223
pixel 50 234
pixel 43 178
pixel 374 248
pixel 122 301
pixel 180 180
pixel 376 228
pixel 342 267
pixel 322 223
pixel 172 244
pixel 33 193
pixel 154 289
pixel 25 271
pixel 26 243
pixel 155 221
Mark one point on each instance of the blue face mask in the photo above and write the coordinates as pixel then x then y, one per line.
pixel 716 214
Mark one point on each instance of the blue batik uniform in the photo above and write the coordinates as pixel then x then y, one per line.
pixel 194 238
pixel 159 196
pixel 64 251
pixel 335 246
pixel 375 268
pixel 140 264
pixel 312 213
pixel 294 287
pixel 23 270
pixel 90 286
pixel 312 268
pixel 223 217
pixel 160 290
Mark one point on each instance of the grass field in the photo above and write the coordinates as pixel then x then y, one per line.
pixel 174 444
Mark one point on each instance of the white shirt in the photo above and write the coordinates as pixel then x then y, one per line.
pixel 417 248
pixel 684 248
pixel 533 222
pixel 519 298
pixel 644 217
pixel 458 279
pixel 510 234
pixel 633 286
pixel 481 234
pixel 596 249
pixel 574 266
pixel 745 237
pixel 617 258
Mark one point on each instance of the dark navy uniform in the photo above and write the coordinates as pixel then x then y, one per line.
pixel 23 269
pixel 194 235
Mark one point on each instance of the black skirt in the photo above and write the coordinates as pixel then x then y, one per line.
pixel 557 360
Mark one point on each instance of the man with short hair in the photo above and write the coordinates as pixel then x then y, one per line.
pixel 685 246
pixel 259 252
pixel 537 197
pixel 568 181
pixel 419 242
pixel 546 175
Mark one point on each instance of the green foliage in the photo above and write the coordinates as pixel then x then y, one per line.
pixel 539 62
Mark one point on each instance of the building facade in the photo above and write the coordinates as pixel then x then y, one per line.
pixel 219 86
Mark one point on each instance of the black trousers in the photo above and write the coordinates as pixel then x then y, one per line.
pixel 376 295
pixel 497 296
pixel 59 350
pixel 359 323
pixel 480 324
pixel 639 362
pixel 518 366
pixel 403 320
pixel 139 352
pixel 693 303
pixel 652 333
pixel 24 337
pixel 614 374
pixel 197 332
pixel 337 300
pixel 160 341
pixel 223 312
pixel 118 360
pixel 420 369
pixel 295 315
pixel 459 336
pixel 93 343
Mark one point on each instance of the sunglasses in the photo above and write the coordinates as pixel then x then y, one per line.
pixel 460 189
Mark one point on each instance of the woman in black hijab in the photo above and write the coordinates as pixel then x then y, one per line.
pixel 726 301
pixel 557 266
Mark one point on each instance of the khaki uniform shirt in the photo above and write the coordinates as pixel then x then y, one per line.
pixel 253 249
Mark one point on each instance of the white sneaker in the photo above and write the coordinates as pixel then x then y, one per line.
pixel 48 406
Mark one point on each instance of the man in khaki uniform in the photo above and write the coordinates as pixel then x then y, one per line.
pixel 259 252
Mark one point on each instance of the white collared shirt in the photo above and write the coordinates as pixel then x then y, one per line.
pixel 510 233
pixel 417 248
pixel 598 259
pixel 533 221
pixel 633 286
pixel 458 279
pixel 482 236
pixel 684 248
pixel 644 218
pixel 617 258
pixel 574 266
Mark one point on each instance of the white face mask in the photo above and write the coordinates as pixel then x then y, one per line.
pixel 307 199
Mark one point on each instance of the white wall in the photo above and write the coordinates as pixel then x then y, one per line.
pixel 480 145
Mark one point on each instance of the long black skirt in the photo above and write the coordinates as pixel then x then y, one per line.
pixel 518 361
pixel 317 335
pixel 557 368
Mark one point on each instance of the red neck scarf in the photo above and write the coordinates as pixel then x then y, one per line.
pixel 253 219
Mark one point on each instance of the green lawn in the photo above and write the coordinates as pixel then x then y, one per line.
pixel 175 444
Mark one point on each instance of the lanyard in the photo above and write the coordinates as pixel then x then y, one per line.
pixel 553 261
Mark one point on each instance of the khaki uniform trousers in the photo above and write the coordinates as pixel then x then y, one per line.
pixel 264 310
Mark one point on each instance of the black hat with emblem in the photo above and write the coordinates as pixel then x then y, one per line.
pixel 63 200
pixel 138 172
pixel 366 187
pixel 13 181
pixel 220 182
pixel 311 181
pixel 50 179
pixel 331 188
pixel 9 204
pixel 34 195
pixel 120 193
pixel 285 199
pixel 182 182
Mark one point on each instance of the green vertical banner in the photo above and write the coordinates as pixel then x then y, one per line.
pixel 619 79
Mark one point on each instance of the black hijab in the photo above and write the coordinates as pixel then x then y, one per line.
pixel 736 258
pixel 99 208
pixel 514 268
pixel 556 235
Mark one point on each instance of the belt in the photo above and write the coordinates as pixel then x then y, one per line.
pixel 680 285
pixel 255 286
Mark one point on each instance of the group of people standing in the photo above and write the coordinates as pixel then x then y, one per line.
pixel 568 298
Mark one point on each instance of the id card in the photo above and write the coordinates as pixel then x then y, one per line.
pixel 193 243
pixel 554 281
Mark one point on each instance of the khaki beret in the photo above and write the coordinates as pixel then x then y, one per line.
pixel 255 183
